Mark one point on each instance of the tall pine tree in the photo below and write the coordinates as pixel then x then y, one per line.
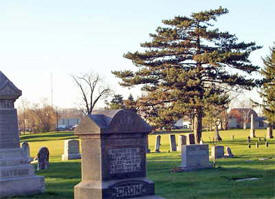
pixel 268 87
pixel 186 64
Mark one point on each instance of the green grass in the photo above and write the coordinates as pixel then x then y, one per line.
pixel 210 183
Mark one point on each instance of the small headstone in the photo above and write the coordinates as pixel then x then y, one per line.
pixel 257 145
pixel 248 139
pixel 190 138
pixel 217 152
pixel 228 152
pixel 201 142
pixel 195 156
pixel 232 137
pixel 259 139
pixel 252 128
pixel 269 132
pixel 173 145
pixel 43 158
pixel 71 150
pixel 157 144
pixel 181 141
pixel 26 151
pixel 249 146
pixel 266 144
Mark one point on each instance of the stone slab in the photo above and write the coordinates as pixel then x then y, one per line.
pixel 27 185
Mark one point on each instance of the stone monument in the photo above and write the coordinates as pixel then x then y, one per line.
pixel 194 157
pixel 113 156
pixel 269 131
pixel 26 150
pixel 157 144
pixel 181 141
pixel 43 157
pixel 71 150
pixel 190 138
pixel 217 152
pixel 228 152
pixel 16 174
pixel 252 128
pixel 173 144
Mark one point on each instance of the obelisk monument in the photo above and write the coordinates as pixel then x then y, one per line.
pixel 16 174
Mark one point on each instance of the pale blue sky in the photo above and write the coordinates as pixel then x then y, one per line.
pixel 69 37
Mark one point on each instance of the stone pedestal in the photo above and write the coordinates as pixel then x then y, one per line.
pixel 113 157
pixel 16 174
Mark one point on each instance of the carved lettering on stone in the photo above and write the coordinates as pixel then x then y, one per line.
pixel 128 189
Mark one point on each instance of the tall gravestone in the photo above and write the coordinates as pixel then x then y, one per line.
pixel 252 127
pixel 157 144
pixel 181 141
pixel 113 156
pixel 16 174
pixel 269 131
pixel 173 144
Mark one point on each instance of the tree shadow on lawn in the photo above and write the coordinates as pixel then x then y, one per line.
pixel 45 137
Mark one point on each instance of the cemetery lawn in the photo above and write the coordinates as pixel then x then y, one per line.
pixel 218 182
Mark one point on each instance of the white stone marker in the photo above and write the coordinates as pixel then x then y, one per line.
pixel 71 150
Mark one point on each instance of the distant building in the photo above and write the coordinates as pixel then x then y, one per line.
pixel 240 118
pixel 67 123
pixel 183 123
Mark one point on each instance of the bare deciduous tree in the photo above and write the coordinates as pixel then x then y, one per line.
pixel 89 84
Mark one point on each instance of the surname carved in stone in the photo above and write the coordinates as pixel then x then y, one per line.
pixel 124 160
pixel 129 189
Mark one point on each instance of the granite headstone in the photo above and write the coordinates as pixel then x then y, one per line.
pixel 16 174
pixel 173 145
pixel 43 158
pixel 71 150
pixel 113 156
pixel 157 143
pixel 217 152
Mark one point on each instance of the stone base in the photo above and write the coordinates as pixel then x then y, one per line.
pixel 71 156
pixel 183 169
pixel 139 188
pixel 26 185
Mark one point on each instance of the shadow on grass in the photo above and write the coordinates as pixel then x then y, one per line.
pixel 47 136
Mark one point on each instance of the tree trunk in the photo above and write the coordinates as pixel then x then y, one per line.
pixel 217 135
pixel 197 125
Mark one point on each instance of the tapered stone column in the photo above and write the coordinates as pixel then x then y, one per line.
pixel 252 127
pixel 16 174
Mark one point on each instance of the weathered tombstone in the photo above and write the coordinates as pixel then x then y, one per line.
pixel 157 144
pixel 252 128
pixel 266 144
pixel 194 156
pixel 217 152
pixel 26 151
pixel 201 142
pixel 113 156
pixel 269 131
pixel 228 152
pixel 43 158
pixel 16 174
pixel 248 139
pixel 147 145
pixel 181 141
pixel 71 150
pixel 257 145
pixel 232 137
pixel 190 138
pixel 173 145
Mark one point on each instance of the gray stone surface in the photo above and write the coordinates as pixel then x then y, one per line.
pixel 228 152
pixel 252 128
pixel 157 143
pixel 194 157
pixel 16 174
pixel 173 144
pixel 43 156
pixel 269 132
pixel 26 150
pixel 190 138
pixel 71 150
pixel 181 141
pixel 113 156
pixel 217 152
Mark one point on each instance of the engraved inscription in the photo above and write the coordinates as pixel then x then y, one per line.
pixel 14 172
pixel 124 160
pixel 128 189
